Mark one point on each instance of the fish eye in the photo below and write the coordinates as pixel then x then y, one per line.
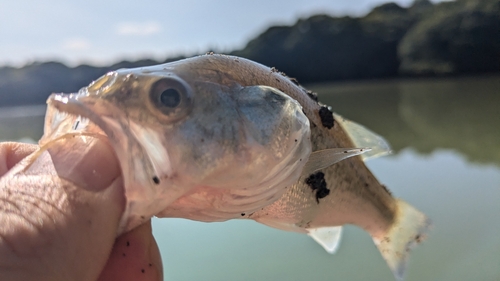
pixel 170 96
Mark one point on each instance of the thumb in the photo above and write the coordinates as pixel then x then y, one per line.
pixel 59 211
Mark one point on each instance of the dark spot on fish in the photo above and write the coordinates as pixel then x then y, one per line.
pixel 326 117
pixel 123 254
pixel 295 140
pixel 312 95
pixel 308 224
pixel 156 180
pixel 142 270
pixel 317 183
pixel 143 217
pixel 322 193
pixel 128 243
pixel 242 214
pixel 76 125
pixel 150 265
pixel 345 151
pixel 419 238
pixel 294 81
pixel 278 81
pixel 386 190
pixel 366 185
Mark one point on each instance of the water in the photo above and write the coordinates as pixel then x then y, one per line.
pixel 446 163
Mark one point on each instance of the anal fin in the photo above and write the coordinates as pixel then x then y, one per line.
pixel 327 237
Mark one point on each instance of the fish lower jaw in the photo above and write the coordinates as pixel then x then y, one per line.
pixel 211 204
pixel 68 117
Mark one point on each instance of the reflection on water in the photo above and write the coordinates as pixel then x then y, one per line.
pixel 22 123
pixel 461 114
pixel 460 197
pixel 446 163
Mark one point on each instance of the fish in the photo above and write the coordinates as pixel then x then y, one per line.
pixel 217 137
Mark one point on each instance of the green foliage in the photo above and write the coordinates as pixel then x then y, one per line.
pixel 454 38
pixel 323 48
pixel 32 84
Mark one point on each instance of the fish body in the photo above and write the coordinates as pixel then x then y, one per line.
pixel 236 139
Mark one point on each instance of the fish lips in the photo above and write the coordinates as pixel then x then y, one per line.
pixel 78 114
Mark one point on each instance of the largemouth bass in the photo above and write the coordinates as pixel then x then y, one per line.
pixel 216 137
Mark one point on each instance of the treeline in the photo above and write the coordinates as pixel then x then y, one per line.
pixel 449 38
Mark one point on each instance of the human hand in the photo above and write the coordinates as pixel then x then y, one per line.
pixel 59 213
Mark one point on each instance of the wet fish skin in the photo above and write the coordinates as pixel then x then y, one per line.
pixel 350 193
pixel 355 195
pixel 347 178
pixel 209 146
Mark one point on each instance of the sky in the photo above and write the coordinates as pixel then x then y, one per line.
pixel 100 32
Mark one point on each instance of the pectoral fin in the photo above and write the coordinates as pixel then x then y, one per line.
pixel 325 158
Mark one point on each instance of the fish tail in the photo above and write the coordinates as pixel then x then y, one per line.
pixel 409 228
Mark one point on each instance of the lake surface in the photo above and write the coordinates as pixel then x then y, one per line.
pixel 446 139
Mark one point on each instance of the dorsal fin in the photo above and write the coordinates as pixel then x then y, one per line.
pixel 362 137
pixel 328 237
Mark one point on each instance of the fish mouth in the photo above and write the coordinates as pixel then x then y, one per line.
pixel 76 114
pixel 67 115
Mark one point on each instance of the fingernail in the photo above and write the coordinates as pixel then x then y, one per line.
pixel 88 162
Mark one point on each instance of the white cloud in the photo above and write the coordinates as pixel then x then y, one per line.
pixel 76 44
pixel 137 28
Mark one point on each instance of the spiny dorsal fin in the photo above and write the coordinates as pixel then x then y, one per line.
pixel 328 237
pixel 321 159
pixel 362 137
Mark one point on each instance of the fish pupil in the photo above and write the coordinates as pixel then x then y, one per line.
pixel 170 98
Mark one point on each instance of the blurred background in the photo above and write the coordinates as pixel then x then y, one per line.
pixel 423 74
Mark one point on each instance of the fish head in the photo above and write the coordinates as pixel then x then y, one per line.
pixel 175 127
